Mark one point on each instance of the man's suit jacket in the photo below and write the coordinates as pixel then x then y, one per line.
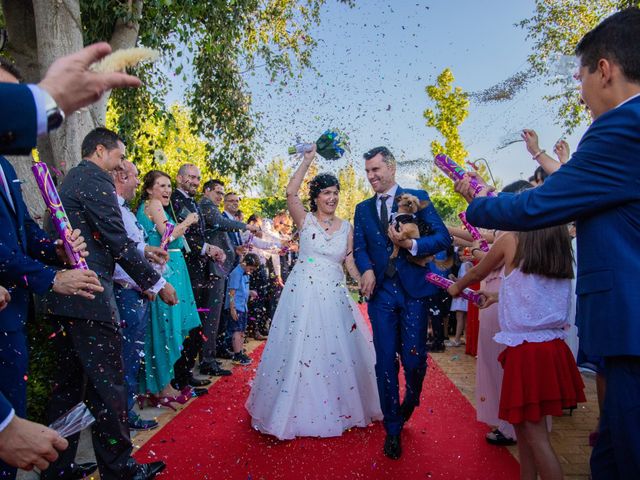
pixel 18 119
pixel 197 263
pixel 216 227
pixel 600 189
pixel 89 198
pixel 24 250
pixel 372 247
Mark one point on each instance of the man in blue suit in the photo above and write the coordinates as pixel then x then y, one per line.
pixel 399 296
pixel 600 189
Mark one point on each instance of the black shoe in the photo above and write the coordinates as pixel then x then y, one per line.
pixel 214 370
pixel 241 359
pixel 198 392
pixel 78 471
pixel 437 348
pixel 406 411
pixel 147 471
pixel 392 447
pixel 195 382
pixel 224 354
pixel 137 423
pixel 496 437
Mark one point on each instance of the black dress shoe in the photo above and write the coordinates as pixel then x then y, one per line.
pixel 79 471
pixel 406 411
pixel 195 382
pixel 214 370
pixel 392 447
pixel 147 471
pixel 224 354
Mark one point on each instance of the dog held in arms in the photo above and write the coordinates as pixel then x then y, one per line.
pixel 408 225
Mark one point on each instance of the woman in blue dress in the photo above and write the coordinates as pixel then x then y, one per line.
pixel 169 325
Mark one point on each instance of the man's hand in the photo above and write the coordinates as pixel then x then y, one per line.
pixel 77 282
pixel 77 245
pixel 253 228
pixel 168 294
pixel 562 150
pixel 463 187
pixel 397 240
pixel 72 85
pixel 26 444
pixel 156 254
pixel 216 253
pixel 5 298
pixel 367 283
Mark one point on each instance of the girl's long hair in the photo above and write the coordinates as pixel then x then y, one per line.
pixel 545 252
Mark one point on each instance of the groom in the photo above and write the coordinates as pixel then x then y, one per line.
pixel 399 296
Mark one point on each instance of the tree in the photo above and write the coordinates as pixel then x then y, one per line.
pixel 450 110
pixel 219 40
pixel 353 190
pixel 273 178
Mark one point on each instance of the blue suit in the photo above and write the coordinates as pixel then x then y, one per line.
pixel 398 305
pixel 18 119
pixel 23 249
pixel 600 189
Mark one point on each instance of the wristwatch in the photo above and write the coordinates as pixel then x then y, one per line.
pixel 55 116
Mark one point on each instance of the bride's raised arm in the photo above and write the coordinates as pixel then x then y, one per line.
pixel 294 204
pixel 349 261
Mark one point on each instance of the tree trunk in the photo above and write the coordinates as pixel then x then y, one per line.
pixel 59 33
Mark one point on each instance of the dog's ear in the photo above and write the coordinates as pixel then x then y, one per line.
pixel 424 204
pixel 398 198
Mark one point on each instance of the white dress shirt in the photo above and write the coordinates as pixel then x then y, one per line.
pixel 135 233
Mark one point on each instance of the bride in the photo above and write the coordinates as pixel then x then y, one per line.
pixel 316 377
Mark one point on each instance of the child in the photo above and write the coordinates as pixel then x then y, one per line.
pixel 460 305
pixel 540 374
pixel 236 305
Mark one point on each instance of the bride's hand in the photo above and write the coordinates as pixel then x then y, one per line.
pixel 311 154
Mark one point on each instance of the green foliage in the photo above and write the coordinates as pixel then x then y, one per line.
pixel 272 179
pixel 450 110
pixel 210 46
pixel 556 27
pixel 41 368
pixel 353 190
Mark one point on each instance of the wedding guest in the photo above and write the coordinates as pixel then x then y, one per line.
pixel 219 230
pixel 540 374
pixel 169 326
pixel 598 187
pixel 459 305
pixel 240 215
pixel 198 255
pixel 236 305
pixel 88 345
pixel 133 304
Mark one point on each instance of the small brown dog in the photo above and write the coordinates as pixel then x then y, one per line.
pixel 406 223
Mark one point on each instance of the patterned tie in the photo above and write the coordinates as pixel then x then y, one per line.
pixel 390 271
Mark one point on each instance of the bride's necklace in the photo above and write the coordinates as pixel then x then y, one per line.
pixel 327 221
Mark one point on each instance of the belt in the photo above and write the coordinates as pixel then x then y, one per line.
pixel 174 250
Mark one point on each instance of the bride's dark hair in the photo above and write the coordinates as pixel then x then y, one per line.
pixel 319 183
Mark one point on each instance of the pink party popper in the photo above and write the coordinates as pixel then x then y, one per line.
pixel 58 214
pixel 484 246
pixel 455 172
pixel 166 236
pixel 444 283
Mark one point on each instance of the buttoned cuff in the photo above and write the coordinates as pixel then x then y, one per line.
pixel 41 112
pixel 5 423
pixel 414 248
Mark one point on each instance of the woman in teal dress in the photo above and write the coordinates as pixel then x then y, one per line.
pixel 169 325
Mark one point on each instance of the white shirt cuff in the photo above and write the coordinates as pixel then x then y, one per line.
pixel 203 252
pixel 7 420
pixel 41 113
pixel 414 248
pixel 158 286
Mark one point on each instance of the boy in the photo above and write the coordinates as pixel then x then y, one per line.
pixel 236 305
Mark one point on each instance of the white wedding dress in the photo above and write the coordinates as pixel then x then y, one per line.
pixel 316 377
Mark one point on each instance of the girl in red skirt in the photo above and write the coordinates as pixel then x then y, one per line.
pixel 540 374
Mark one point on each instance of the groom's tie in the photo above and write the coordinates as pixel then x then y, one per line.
pixel 384 220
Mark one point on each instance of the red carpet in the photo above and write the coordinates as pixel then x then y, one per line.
pixel 212 439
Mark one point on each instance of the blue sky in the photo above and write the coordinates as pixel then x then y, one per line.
pixel 375 61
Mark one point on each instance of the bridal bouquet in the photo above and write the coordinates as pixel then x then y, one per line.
pixel 331 145
pixel 58 215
